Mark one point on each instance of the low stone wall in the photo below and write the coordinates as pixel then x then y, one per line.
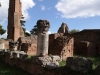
pixel 25 64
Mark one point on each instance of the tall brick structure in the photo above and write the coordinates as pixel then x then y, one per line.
pixel 14 15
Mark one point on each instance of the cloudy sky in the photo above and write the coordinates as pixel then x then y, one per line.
pixel 78 14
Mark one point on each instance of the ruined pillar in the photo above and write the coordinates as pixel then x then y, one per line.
pixel 43 36
pixel 14 15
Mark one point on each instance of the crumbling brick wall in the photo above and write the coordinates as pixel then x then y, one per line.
pixel 52 37
pixel 92 36
pixel 62 46
pixel 6 43
pixel 29 48
pixel 85 48
pixel 28 44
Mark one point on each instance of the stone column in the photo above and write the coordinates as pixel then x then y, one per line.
pixel 42 43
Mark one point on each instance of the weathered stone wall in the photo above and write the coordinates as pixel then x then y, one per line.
pixel 52 37
pixel 92 36
pixel 26 65
pixel 85 48
pixel 63 46
pixel 6 43
pixel 29 48
pixel 28 44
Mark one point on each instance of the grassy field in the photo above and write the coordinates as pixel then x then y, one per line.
pixel 95 60
pixel 6 69
pixel 64 71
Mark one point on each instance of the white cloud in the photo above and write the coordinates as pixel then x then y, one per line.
pixel 4 10
pixel 26 4
pixel 27 31
pixel 43 7
pixel 4 35
pixel 49 32
pixel 78 8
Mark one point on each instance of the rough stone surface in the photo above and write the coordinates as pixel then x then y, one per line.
pixel 43 26
pixel 63 28
pixel 42 43
pixel 28 44
pixel 13 46
pixel 2 46
pixel 29 48
pixel 14 15
pixel 62 46
pixel 56 58
pixel 6 43
pixel 83 65
pixel 89 35
pixel 85 48
pixel 51 65
pixel 43 60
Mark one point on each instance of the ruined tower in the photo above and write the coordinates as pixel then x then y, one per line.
pixel 43 36
pixel 64 28
pixel 14 15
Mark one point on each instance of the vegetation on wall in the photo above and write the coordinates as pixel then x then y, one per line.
pixel 73 31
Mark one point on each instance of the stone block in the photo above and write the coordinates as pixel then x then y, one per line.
pixel 83 65
pixel 51 65
pixel 43 60
pixel 15 55
pixel 56 58
pixel 2 46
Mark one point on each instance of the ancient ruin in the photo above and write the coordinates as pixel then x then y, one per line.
pixel 47 50
pixel 61 45
pixel 14 15
pixel 86 42
pixel 28 44
pixel 64 28
pixel 13 46
pixel 42 42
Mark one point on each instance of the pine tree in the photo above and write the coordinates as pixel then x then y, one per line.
pixel 22 22
pixel 34 30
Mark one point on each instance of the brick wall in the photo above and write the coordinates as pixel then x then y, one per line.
pixel 62 46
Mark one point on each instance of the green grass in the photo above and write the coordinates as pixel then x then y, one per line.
pixel 63 70
pixel 96 61
pixel 6 69
pixel 62 63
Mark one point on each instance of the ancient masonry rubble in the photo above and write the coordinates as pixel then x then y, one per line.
pixel 64 28
pixel 14 15
pixel 28 44
pixel 42 43
pixel 87 42
pixel 62 45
